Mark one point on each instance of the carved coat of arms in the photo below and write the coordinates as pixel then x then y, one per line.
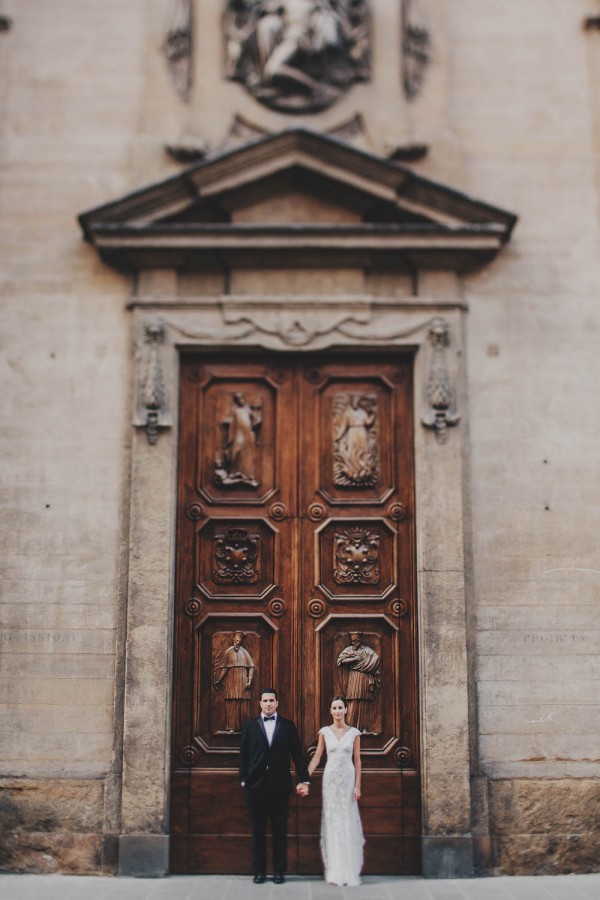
pixel 297 55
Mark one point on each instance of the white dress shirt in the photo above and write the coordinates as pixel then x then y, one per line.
pixel 270 728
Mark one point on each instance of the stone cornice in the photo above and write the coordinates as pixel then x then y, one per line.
pixel 420 223
pixel 394 246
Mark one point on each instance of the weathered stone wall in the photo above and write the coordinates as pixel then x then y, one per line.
pixel 71 75
pixel 521 105
pixel 545 825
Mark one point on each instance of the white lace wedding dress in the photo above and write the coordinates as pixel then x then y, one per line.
pixel 341 831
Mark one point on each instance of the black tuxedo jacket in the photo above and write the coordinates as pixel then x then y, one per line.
pixel 264 765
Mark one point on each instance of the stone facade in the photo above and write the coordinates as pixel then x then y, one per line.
pixel 507 507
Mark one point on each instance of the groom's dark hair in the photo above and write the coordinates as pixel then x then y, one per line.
pixel 268 690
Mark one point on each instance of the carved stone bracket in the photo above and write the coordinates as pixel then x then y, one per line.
pixel 440 395
pixel 151 409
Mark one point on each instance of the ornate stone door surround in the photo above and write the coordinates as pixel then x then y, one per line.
pixel 238 286
pixel 162 329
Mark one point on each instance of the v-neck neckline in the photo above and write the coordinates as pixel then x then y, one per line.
pixel 340 738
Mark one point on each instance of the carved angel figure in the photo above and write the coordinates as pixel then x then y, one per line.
pixel 364 681
pixel 240 429
pixel 355 439
pixel 297 55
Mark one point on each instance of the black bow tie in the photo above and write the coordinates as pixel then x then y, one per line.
pixel 268 718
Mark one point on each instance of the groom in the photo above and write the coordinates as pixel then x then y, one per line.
pixel 266 745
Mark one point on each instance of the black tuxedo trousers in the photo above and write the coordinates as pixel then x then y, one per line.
pixel 265 774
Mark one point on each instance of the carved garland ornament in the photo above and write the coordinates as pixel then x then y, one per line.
pixel 152 386
pixel 439 393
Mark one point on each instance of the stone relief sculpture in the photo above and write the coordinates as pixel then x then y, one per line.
pixel 297 55
pixel 364 682
pixel 236 554
pixel 355 450
pixel 356 557
pixel 240 433
pixel 234 673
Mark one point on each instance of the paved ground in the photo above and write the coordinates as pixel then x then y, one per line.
pixel 221 887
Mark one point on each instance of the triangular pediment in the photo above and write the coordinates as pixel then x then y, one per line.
pixel 297 198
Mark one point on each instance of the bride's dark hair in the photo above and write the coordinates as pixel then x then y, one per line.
pixel 339 697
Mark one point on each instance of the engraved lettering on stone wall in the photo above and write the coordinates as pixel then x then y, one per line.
pixel 363 684
pixel 233 676
pixel 555 638
pixel 240 433
pixel 236 555
pixel 297 55
pixel 356 557
pixel 355 440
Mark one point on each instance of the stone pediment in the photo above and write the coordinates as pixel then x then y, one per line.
pixel 297 199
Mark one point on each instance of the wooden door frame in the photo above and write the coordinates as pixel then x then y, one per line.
pixel 163 326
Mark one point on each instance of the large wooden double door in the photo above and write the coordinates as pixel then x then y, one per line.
pixel 295 555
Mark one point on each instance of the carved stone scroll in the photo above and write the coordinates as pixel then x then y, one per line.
pixel 364 683
pixel 240 431
pixel 178 47
pixel 440 396
pixel 297 55
pixel 356 557
pixel 416 47
pixel 235 557
pixel 355 444
pixel 234 671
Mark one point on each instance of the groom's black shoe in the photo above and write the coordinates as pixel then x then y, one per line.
pixel 278 878
pixel 259 878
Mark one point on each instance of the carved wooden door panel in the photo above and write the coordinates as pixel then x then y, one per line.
pixel 356 506
pixel 295 568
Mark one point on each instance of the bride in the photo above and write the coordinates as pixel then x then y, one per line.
pixel 341 831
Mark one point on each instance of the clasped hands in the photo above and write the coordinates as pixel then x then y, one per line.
pixel 302 790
